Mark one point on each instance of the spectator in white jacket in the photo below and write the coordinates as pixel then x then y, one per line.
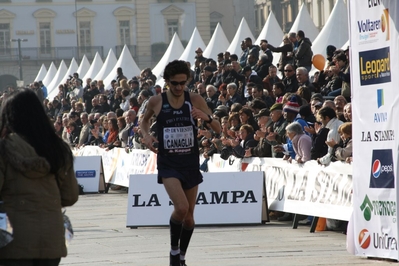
pixel 328 118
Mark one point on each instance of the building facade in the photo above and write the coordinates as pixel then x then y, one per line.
pixel 55 30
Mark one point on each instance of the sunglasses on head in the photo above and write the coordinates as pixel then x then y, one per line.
pixel 175 83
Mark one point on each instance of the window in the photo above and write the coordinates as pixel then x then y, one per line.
pixel 172 20
pixel 124 30
pixel 4 38
pixel 213 25
pixel 215 18
pixel 173 26
pixel 45 37
pixel 84 34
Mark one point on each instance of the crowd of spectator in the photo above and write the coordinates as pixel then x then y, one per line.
pixel 265 110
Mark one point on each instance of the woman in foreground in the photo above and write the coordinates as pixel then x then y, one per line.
pixel 37 179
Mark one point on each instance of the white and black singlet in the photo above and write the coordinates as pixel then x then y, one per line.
pixel 177 136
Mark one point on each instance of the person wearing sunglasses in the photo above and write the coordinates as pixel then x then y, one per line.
pixel 290 81
pixel 177 111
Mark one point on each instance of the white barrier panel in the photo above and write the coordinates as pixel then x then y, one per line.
pixel 217 164
pixel 88 172
pixel 308 189
pixel 132 163
pixel 223 198
pixel 118 164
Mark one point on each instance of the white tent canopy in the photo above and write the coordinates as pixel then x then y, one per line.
pixel 174 51
pixel 304 22
pixel 128 65
pixel 53 86
pixel 95 67
pixel 194 42
pixel 335 31
pixel 271 31
pixel 51 72
pixel 107 67
pixel 83 67
pixel 217 44
pixel 42 73
pixel 73 67
pixel 343 47
pixel 243 32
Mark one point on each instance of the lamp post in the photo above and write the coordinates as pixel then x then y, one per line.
pixel 19 55
pixel 77 32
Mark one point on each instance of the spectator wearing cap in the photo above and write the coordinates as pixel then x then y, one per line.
pixel 208 75
pixel 276 136
pixel 290 81
pixel 199 55
pixel 263 149
pixel 270 79
pixel 286 48
pixel 134 87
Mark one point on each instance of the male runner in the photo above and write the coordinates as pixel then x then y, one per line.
pixel 178 155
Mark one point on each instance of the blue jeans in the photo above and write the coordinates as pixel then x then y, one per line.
pixel 335 92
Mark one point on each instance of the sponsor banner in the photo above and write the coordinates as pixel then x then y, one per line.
pixel 217 164
pixel 308 189
pixel 118 164
pixel 131 163
pixel 374 42
pixel 87 171
pixel 223 198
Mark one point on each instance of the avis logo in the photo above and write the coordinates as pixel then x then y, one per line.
pixel 364 239
pixel 367 208
pixel 382 175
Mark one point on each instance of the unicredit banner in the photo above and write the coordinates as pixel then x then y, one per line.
pixel 374 71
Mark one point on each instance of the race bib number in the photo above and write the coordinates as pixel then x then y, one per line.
pixel 178 139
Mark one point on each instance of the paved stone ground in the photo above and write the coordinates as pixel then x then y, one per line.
pixel 101 238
